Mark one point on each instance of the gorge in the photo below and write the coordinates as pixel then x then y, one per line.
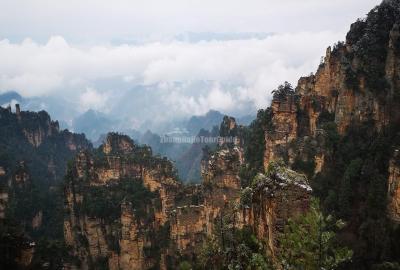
pixel 331 141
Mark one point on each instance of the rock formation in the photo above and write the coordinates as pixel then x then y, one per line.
pixel 187 215
pixel 33 154
pixel 133 245
pixel 125 208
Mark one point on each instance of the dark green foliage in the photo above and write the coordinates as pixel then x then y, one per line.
pixel 46 166
pixel 105 201
pixel 349 181
pixel 225 129
pixel 246 197
pixel 283 91
pixel 303 127
pixel 325 117
pixel 101 263
pixel 332 136
pixel 310 242
pixel 53 252
pixel 354 187
pixel 316 104
pixel 12 239
pixel 305 163
pixel 162 236
pixel 232 248
pixel 306 167
pixel 369 39
pixel 24 204
pixel 254 146
pixel 351 80
pixel 386 266
pixel 143 156
pixel 185 265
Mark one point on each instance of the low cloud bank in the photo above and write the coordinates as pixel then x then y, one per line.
pixel 181 78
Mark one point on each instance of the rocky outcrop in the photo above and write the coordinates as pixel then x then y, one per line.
pixel 394 187
pixel 118 144
pixel 284 121
pixel 36 126
pixel 26 253
pixel 33 160
pixel 344 90
pixel 126 240
pixel 275 197
pixel 221 182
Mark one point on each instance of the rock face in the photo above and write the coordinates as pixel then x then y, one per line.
pixel 185 214
pixel 134 227
pixel 188 228
pixel 356 83
pixel 36 126
pixel 33 155
pixel 222 186
pixel 276 197
pixel 119 144
pixel 284 121
pixel 326 94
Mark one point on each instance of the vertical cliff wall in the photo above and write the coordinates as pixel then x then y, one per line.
pixel 118 201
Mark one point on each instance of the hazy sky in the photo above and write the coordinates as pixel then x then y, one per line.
pixel 91 51
pixel 100 20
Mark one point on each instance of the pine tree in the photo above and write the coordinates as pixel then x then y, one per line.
pixel 309 242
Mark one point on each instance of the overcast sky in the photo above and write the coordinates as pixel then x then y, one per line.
pixel 90 51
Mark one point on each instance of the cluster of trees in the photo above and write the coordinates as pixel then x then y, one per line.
pixel 307 242
pixel 369 39
pixel 43 192
pixel 254 146
pixel 232 248
pixel 353 187
pixel 105 201
pixel 310 242
pixel 283 91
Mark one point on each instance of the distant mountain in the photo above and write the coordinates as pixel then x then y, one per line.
pixel 188 164
pixel 187 156
pixel 93 124
pixel 245 120
pixel 8 97
pixel 207 122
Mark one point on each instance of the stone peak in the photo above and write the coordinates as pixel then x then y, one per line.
pixel 118 143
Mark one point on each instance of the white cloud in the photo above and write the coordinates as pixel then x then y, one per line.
pixel 240 71
pixel 125 57
pixel 92 99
